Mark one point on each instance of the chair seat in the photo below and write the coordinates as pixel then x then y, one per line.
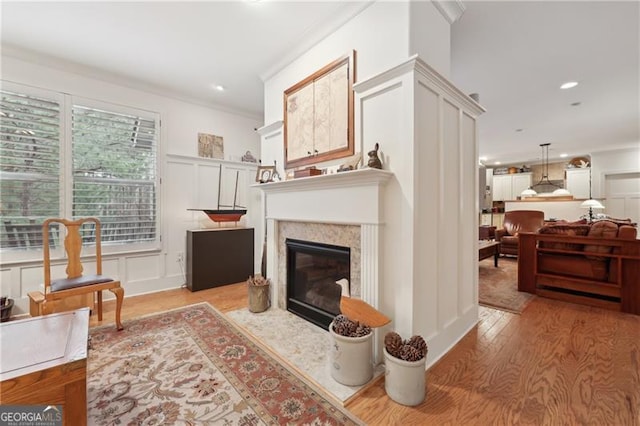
pixel 509 240
pixel 84 280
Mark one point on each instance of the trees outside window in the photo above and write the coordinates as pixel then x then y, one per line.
pixel 103 164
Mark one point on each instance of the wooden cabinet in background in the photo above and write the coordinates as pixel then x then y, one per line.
pixel 219 256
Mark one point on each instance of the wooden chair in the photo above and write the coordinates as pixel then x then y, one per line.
pixel 75 283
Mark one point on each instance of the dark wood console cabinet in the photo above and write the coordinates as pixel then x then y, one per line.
pixel 217 257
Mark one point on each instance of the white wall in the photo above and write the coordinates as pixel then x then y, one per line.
pixel 610 163
pixel 426 24
pixel 379 34
pixel 184 182
pixel 616 179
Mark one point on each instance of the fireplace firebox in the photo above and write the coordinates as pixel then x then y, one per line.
pixel 317 275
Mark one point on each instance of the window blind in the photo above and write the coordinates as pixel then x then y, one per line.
pixel 29 167
pixel 114 172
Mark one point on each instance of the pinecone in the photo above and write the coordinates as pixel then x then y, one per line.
pixel 340 318
pixel 418 343
pixel 258 280
pixel 341 328
pixel 409 353
pixel 345 327
pixel 393 343
pixel 362 330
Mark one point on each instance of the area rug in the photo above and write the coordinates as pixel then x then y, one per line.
pixel 498 287
pixel 192 366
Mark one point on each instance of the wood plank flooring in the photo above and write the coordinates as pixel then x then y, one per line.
pixel 556 364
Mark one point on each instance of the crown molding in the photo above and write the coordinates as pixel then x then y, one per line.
pixel 451 10
pixel 312 38
pixel 416 65
pixel 43 59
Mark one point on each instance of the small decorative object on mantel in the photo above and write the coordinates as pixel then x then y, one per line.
pixel 265 174
pixel 309 171
pixel 405 362
pixel 6 304
pixel 258 288
pixel 276 176
pixel 374 161
pixel 352 164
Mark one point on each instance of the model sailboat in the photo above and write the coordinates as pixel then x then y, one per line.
pixel 232 213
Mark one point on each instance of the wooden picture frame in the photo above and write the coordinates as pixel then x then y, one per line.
pixel 318 115
pixel 265 174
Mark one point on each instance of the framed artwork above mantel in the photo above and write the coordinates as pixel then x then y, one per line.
pixel 318 115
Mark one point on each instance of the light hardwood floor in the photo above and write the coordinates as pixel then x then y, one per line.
pixel 556 364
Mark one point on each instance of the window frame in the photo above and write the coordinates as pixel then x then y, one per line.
pixel 66 179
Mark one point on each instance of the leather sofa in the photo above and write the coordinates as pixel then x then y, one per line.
pixel 514 223
pixel 597 264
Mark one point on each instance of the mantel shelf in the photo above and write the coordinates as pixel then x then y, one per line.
pixel 361 177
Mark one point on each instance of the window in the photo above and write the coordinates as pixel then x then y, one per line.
pixel 29 167
pixel 103 164
pixel 114 173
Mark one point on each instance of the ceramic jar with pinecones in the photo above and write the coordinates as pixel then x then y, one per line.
pixel 405 362
pixel 351 351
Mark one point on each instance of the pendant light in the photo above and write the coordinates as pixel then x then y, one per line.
pixel 544 180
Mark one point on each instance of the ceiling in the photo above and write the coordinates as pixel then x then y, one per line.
pixel 514 55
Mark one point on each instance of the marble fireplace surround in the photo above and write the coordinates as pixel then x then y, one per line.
pixel 343 209
pixel 327 233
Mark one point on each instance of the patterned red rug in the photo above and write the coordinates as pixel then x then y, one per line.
pixel 498 287
pixel 192 366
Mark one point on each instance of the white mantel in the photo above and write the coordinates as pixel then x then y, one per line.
pixel 346 198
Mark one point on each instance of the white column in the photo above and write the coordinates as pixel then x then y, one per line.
pixel 272 260
pixel 369 277
pixel 370 261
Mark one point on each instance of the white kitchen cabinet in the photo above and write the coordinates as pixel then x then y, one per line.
pixel 578 182
pixel 501 187
pixel 520 182
pixel 509 187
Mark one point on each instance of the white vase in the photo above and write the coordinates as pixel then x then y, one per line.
pixel 351 358
pixel 404 381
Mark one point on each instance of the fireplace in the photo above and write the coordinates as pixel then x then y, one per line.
pixel 317 275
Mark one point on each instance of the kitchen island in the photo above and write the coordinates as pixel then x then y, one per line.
pixel 552 207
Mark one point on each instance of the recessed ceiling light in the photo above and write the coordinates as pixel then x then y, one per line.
pixel 564 155
pixel 569 85
pixel 497 163
pixel 482 158
pixel 219 87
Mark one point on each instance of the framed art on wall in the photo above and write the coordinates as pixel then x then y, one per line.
pixel 318 115
pixel 210 146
